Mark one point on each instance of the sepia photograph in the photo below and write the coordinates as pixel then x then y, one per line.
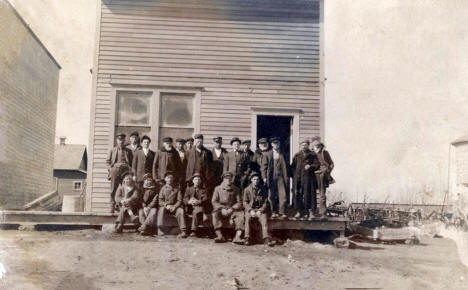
pixel 234 144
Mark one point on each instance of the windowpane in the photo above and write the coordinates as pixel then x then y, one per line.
pixel 127 130
pixel 177 110
pixel 133 108
pixel 175 133
pixel 77 185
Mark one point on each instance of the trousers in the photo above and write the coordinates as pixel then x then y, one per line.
pixel 219 220
pixel 278 195
pixel 262 219
pixel 179 214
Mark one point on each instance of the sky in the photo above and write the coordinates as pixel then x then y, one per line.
pixel 395 89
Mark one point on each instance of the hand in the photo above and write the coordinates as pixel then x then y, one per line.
pixel 146 210
pixel 264 180
pixel 168 207
pixel 307 167
pixel 252 213
pixel 229 211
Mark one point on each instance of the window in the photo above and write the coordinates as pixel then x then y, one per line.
pixel 77 185
pixel 133 113
pixel 177 115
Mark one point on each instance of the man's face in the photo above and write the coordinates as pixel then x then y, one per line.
pixel 145 143
pixel 168 179
pixel 217 145
pixel 133 139
pixel 304 146
pixel 198 143
pixel 196 181
pixel 275 145
pixel 167 145
pixel 180 145
pixel 128 181
pixel 245 146
pixel 189 144
pixel 227 180
pixel 120 142
pixel 263 146
pixel 255 181
pixel 236 145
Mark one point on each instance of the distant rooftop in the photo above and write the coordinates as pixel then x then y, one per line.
pixel 70 157
pixel 462 139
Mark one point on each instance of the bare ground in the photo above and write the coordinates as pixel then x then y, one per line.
pixel 92 259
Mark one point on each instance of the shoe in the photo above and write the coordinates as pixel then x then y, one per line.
pixel 193 234
pixel 118 230
pixel 160 233
pixel 268 242
pixel 247 242
pixel 274 215
pixel 238 241
pixel 219 237
pixel 311 217
pixel 297 216
pixel 182 235
pixel 283 217
pixel 142 228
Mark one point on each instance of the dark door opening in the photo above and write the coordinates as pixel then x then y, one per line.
pixel 276 126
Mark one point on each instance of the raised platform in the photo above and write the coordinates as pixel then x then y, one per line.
pixel 10 217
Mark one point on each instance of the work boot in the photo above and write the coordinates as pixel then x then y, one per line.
pixel 118 228
pixel 268 242
pixel 247 241
pixel 193 234
pixel 142 228
pixel 283 217
pixel 274 215
pixel 219 237
pixel 297 216
pixel 160 232
pixel 237 239
pixel 182 235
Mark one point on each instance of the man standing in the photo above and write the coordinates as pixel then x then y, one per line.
pixel 262 149
pixel 218 153
pixel 189 144
pixel 275 175
pixel 184 161
pixel 303 166
pixel 256 206
pixel 247 163
pixel 233 162
pixel 134 142
pixel 199 161
pixel 227 208
pixel 167 159
pixel 119 161
pixel 143 159
pixel 323 175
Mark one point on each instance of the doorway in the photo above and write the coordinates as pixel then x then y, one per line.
pixel 276 126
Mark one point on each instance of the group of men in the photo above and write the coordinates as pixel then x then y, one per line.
pixel 235 187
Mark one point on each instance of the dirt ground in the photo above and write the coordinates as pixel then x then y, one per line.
pixel 92 259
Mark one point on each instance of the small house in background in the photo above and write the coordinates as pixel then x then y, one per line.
pixel 70 164
pixel 458 177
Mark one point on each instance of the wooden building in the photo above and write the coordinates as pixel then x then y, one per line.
pixel 29 77
pixel 70 164
pixel 244 68
pixel 458 173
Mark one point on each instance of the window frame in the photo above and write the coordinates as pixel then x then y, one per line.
pixel 155 103
pixel 77 182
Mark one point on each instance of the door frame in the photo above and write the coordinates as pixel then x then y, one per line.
pixel 286 112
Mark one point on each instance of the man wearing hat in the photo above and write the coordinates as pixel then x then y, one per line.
pixel 258 155
pixel 143 159
pixel 256 206
pixel 303 165
pixel 218 153
pixel 196 198
pixel 180 147
pixel 227 208
pixel 199 161
pixel 167 159
pixel 189 144
pixel 134 141
pixel 275 173
pixel 127 200
pixel 236 162
pixel 119 160
pixel 149 206
pixel 323 175
pixel 247 162
pixel 170 202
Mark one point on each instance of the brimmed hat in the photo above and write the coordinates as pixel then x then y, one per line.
pixel 235 139
pixel 135 133
pixel 198 136
pixel 120 136
pixel 218 139
pixel 167 139
pixel 189 139
pixel 275 140
pixel 226 174
pixel 124 174
pixel 246 142
pixel 253 174
pixel 262 140
pixel 305 141
pixel 180 140
pixel 145 137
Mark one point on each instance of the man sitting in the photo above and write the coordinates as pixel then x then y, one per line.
pixel 127 201
pixel 170 201
pixel 256 206
pixel 149 206
pixel 195 198
pixel 227 206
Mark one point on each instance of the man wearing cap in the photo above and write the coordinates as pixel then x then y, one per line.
pixel 323 175
pixel 127 200
pixel 189 144
pixel 257 159
pixel 275 173
pixel 167 159
pixel 256 206
pixel 143 159
pixel 196 198
pixel 180 147
pixel 247 163
pixel 199 161
pixel 227 207
pixel 218 153
pixel 303 165
pixel 170 202
pixel 149 206
pixel 235 162
pixel 134 142
pixel 119 160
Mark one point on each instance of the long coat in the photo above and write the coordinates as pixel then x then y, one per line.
pixel 133 196
pixel 298 171
pixel 167 160
pixel 267 167
pixel 112 156
pixel 198 193
pixel 256 198
pixel 326 165
pixel 217 166
pixel 170 195
pixel 204 160
pixel 142 163
pixel 226 197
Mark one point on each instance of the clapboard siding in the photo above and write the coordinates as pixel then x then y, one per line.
pixel 242 54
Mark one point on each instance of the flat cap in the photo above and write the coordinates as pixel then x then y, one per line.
pixel 168 173
pixel 120 136
pixel 235 139
pixel 262 140
pixel 305 141
pixel 275 140
pixel 145 137
pixel 198 136
pixel 246 142
pixel 167 139
pixel 189 139
pixel 253 174
pixel 227 174
pixel 135 133
pixel 180 140
pixel 195 175
pixel 316 138
pixel 218 139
